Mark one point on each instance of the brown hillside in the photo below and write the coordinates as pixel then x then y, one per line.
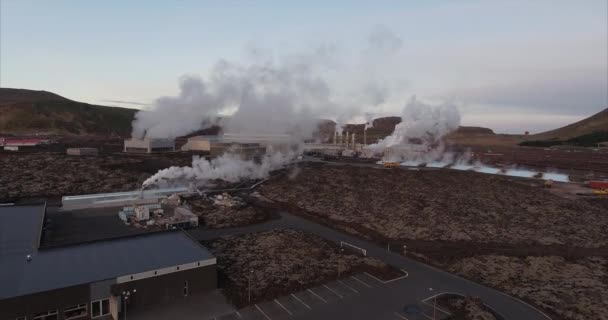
pixel 40 112
pixel 595 123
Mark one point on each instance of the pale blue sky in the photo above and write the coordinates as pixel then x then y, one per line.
pixel 512 65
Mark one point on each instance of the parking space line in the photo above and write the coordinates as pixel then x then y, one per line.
pixel 391 280
pixel 424 314
pixel 282 306
pixel 344 284
pixel 238 314
pixel 316 295
pixel 365 284
pixel 328 288
pixel 302 302
pixel 265 315
pixel 400 316
pixel 436 307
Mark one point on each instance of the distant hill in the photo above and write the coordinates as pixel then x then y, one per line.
pixel 25 111
pixel 596 123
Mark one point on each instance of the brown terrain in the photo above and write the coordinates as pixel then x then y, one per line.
pixel 52 175
pixel 284 261
pixel 484 227
pixel 226 211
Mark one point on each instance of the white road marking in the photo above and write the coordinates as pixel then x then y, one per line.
pixel 344 284
pixel 365 284
pixel 436 307
pixel 265 315
pixel 302 302
pixel 238 314
pixel 388 281
pixel 328 288
pixel 400 316
pixel 424 314
pixel 316 295
pixel 282 306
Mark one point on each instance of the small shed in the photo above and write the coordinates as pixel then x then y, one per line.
pixel 82 151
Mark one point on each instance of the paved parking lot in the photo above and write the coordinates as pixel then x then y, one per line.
pixel 300 303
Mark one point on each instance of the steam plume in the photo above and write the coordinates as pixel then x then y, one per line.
pixel 420 133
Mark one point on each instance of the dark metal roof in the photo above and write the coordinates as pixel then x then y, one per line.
pixel 20 228
pixel 89 262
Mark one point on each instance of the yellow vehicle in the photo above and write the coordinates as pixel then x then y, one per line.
pixel 391 164
pixel 601 192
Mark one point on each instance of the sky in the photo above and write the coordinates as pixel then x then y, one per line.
pixel 512 66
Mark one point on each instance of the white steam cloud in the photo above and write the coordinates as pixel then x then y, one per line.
pixel 420 133
pixel 289 96
pixel 229 167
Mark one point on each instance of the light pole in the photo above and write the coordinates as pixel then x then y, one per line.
pixel 249 284
pixel 340 262
pixel 434 303
pixel 125 297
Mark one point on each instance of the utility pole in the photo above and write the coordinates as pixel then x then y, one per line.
pixel 125 297
pixel 434 304
pixel 340 262
pixel 249 284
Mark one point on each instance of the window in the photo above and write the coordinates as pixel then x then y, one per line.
pixel 100 308
pixel 75 312
pixel 185 288
pixel 49 315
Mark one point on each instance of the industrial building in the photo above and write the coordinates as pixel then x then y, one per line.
pixel 118 198
pixel 201 143
pixel 82 152
pixel 149 145
pixel 244 150
pixel 96 279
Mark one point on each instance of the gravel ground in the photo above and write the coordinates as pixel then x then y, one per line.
pixel 506 233
pixel 284 261
pixel 568 289
pixel 217 216
pixel 442 205
pixel 52 175
pixel 466 308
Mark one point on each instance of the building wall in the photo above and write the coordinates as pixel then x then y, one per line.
pixel 165 288
pixel 45 301
pixel 168 287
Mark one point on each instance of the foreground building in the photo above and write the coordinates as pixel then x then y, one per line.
pixel 149 145
pixel 97 279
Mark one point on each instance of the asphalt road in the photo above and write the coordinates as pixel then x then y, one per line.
pixel 383 304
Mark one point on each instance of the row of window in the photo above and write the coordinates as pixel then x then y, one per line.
pixel 99 308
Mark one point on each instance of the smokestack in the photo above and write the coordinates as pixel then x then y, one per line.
pixel 353 143
pixel 365 137
pixel 335 137
pixel 346 140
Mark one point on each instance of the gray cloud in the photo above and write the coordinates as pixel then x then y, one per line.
pixel 567 93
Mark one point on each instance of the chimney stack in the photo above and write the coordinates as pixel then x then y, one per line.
pixel 365 137
pixel 353 141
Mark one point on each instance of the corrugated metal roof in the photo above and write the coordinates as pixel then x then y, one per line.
pixel 84 263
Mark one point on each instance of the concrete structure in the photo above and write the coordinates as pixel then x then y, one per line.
pixel 201 143
pixel 94 279
pixel 82 151
pixel 128 198
pixel 23 142
pixel 149 145
pixel 245 150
